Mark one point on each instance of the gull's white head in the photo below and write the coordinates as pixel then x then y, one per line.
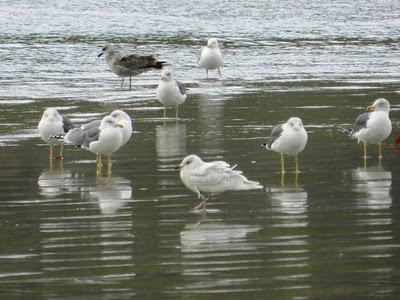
pixel 107 49
pixel 212 43
pixel 51 115
pixel 380 104
pixel 120 115
pixel 190 162
pixel 108 122
pixel 166 75
pixel 295 123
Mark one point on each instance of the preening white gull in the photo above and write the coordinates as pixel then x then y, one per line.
pixel 125 120
pixel 208 178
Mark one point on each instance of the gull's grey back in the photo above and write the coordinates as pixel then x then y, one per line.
pixel 84 135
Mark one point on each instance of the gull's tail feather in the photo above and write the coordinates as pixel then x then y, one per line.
pixel 57 137
pixel 240 182
pixel 250 185
pixel 266 146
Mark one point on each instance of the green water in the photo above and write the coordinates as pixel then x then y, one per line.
pixel 330 233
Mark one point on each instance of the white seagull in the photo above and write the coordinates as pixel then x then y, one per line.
pixel 170 92
pixel 128 65
pixel 208 178
pixel 125 120
pixel 289 138
pixel 373 127
pixel 52 124
pixel 101 137
pixel 211 57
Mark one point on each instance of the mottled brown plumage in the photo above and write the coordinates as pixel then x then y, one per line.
pixel 129 65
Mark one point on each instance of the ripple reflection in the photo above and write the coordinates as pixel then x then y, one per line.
pixel 374 184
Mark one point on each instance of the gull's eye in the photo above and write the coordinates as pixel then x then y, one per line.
pixel 104 48
pixel 188 162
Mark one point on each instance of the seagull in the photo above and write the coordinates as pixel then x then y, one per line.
pixel 208 178
pixel 90 130
pixel 170 92
pixel 51 124
pixel 100 137
pixel 211 57
pixel 128 65
pixel 289 138
pixel 125 120
pixel 373 127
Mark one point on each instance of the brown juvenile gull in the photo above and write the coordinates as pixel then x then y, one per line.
pixel 128 65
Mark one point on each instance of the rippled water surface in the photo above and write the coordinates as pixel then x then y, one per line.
pixel 330 233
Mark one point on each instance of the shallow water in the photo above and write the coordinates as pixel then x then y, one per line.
pixel 331 233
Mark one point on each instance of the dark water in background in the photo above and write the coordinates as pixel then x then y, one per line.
pixel 333 234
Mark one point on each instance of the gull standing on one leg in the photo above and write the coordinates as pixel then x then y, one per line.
pixel 289 138
pixel 208 178
pixel 53 124
pixel 211 57
pixel 373 127
pixel 170 92
pixel 129 65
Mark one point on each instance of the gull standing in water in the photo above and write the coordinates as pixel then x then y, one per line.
pixel 128 65
pixel 52 124
pixel 208 178
pixel 170 92
pixel 211 57
pixel 373 127
pixel 289 138
pixel 100 137
pixel 91 130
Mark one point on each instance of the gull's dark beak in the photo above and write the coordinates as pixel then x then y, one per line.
pixel 264 145
pixel 177 167
pixel 100 54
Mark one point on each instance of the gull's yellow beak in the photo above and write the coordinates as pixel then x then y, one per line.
pixel 370 107
pixel 119 125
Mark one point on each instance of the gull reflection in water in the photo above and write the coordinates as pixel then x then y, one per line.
pixel 111 193
pixel 54 183
pixel 210 120
pixel 375 184
pixel 170 140
pixel 206 236
pixel 170 148
pixel 290 202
